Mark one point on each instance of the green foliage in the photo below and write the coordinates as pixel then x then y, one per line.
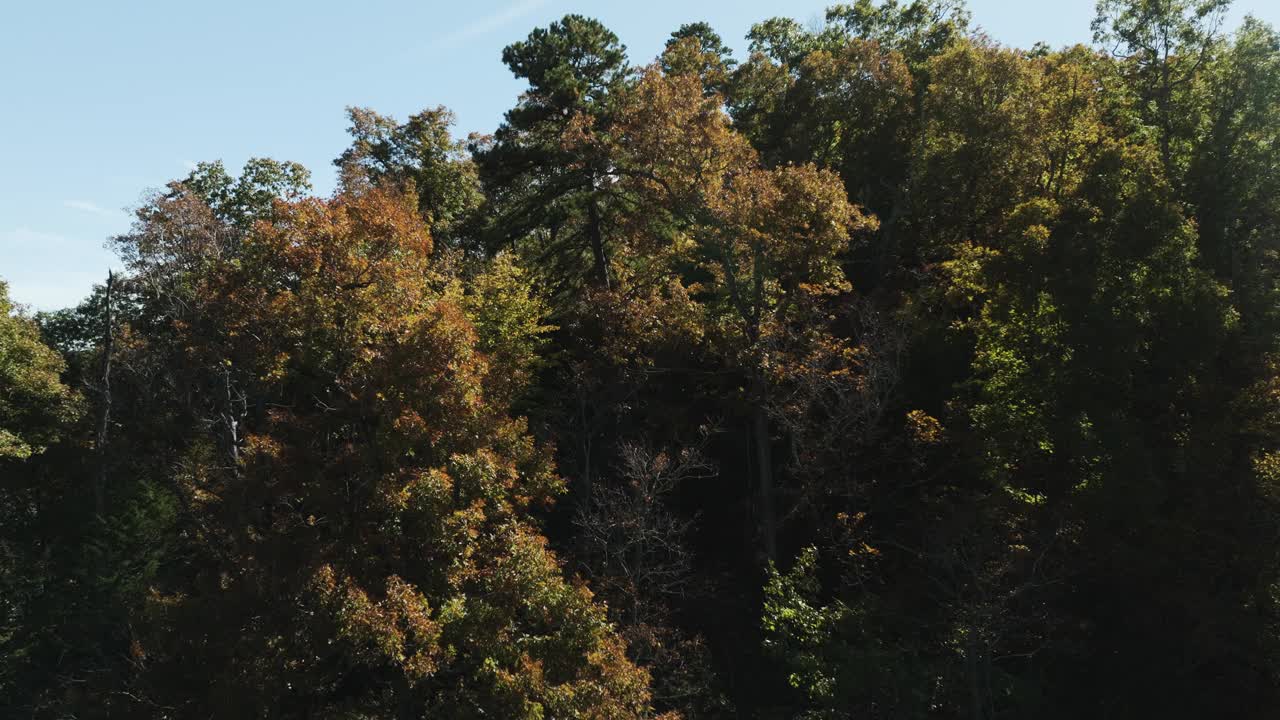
pixel 832 652
pixel 918 30
pixel 420 154
pixel 546 192
pixel 994 333
pixel 572 63
pixel 510 324
pixel 35 406
pixel 800 630
pixel 240 201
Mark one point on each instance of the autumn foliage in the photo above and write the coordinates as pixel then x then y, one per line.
pixel 883 371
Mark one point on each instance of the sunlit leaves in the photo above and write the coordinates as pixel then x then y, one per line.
pixel 34 404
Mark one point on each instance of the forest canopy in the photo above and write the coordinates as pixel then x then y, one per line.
pixel 878 371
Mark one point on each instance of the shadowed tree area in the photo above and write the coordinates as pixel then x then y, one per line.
pixel 882 371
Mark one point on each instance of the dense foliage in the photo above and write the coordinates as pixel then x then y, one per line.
pixel 885 372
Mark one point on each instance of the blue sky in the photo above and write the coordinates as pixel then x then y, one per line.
pixel 100 101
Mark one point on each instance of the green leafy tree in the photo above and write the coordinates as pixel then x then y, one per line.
pixel 541 192
pixel 35 406
pixel 420 154
pixel 1166 43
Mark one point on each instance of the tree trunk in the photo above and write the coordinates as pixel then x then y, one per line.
pixel 764 472
pixel 104 418
pixel 585 484
pixel 976 661
pixel 596 234
pixel 1166 119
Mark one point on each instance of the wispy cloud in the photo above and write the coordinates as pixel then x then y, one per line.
pixel 89 207
pixel 27 240
pixel 46 270
pixel 489 23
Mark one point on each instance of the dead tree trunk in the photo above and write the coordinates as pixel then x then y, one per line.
pixel 104 417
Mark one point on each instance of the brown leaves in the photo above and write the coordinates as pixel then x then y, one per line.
pixel 795 221
pixel 675 140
